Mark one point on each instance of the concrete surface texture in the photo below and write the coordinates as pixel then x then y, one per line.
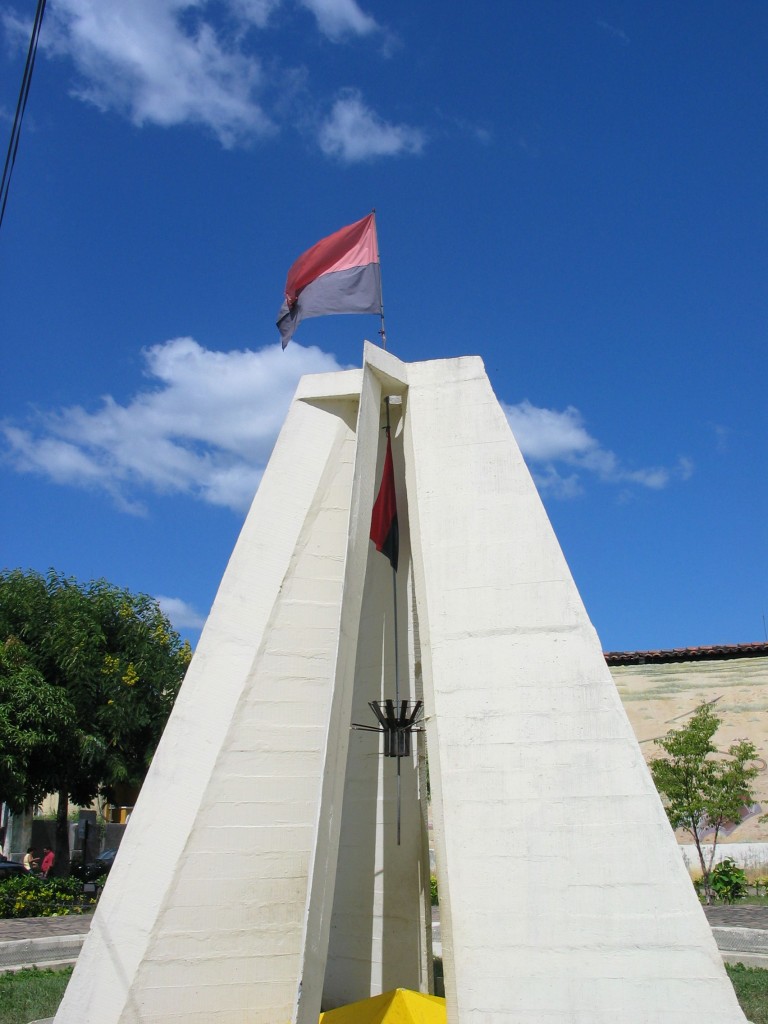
pixel 741 934
pixel 227 910
pixel 381 923
pixel 271 886
pixel 563 893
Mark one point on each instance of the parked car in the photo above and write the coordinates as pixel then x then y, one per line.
pixel 100 866
pixel 11 869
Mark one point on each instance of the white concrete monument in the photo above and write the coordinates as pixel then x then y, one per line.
pixel 260 877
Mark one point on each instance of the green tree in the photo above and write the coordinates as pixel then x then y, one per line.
pixel 35 718
pixel 703 791
pixel 88 677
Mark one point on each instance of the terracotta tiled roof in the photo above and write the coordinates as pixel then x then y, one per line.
pixel 718 652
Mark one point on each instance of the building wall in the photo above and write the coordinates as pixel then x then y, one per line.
pixel 660 696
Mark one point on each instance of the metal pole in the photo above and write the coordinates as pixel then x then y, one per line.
pixel 397 659
pixel 382 329
pixel 397 693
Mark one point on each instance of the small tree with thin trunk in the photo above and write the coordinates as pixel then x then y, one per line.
pixel 702 791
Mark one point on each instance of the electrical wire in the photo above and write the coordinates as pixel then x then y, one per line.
pixel 13 145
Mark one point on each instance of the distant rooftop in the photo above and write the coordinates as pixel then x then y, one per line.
pixel 719 652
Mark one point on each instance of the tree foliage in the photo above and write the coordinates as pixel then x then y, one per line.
pixel 35 717
pixel 703 792
pixel 88 676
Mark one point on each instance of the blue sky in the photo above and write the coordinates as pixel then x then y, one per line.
pixel 575 192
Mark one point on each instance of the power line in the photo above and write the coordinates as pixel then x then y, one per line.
pixel 13 145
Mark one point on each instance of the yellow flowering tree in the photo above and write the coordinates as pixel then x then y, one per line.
pixel 104 666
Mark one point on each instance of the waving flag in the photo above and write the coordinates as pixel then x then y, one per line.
pixel 339 274
pixel 384 528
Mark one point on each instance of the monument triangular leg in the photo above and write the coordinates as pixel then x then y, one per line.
pixel 260 878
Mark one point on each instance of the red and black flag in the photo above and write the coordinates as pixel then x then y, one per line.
pixel 339 274
pixel 384 529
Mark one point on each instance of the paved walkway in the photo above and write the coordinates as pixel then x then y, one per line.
pixel 42 941
pixel 43 927
pixel 737 917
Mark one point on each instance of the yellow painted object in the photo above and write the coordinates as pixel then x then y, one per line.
pixel 400 1006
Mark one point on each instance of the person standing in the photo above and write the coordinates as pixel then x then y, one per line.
pixel 48 860
pixel 30 861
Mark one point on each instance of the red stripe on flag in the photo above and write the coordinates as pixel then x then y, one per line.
pixel 352 246
pixel 384 526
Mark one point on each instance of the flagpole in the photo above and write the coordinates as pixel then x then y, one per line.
pixel 397 653
pixel 396 718
pixel 382 329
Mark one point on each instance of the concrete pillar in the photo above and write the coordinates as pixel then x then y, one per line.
pixel 563 895
pixel 18 834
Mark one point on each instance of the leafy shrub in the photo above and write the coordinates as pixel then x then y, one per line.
pixel 42 897
pixel 433 890
pixel 728 882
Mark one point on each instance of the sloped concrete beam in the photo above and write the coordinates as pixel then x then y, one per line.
pixel 563 896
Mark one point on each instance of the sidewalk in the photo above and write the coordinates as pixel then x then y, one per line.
pixel 737 917
pixel 43 927
pixel 42 941
pixel 741 934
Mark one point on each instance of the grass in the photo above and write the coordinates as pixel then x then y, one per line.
pixel 751 984
pixel 30 995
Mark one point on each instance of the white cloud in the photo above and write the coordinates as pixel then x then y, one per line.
pixel 549 436
pixel 353 132
pixel 210 63
pixel 160 62
pixel 545 434
pixel 181 614
pixel 339 18
pixel 613 30
pixel 254 12
pixel 204 427
pixel 722 436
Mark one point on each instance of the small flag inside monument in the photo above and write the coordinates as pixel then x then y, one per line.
pixel 384 529
pixel 339 274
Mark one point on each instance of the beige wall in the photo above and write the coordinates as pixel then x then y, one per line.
pixel 660 697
